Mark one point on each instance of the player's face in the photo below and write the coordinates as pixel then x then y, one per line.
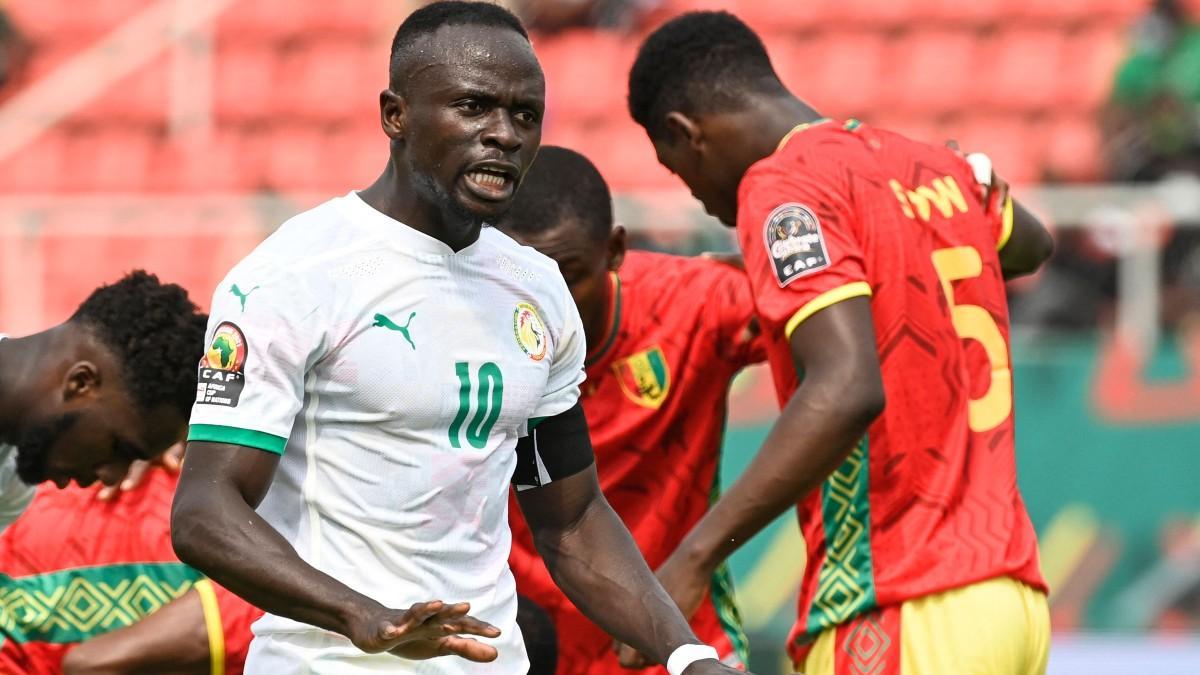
pixel 585 264
pixel 472 122
pixel 704 175
pixel 92 436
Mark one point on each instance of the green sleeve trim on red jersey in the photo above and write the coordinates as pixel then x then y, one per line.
pixel 846 580
pixel 74 605
pixel 722 593
pixel 215 433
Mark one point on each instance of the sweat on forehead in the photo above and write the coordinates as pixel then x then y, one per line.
pixel 465 47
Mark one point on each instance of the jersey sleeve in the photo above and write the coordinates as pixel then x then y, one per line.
pixel 15 495
pixel 798 233
pixel 566 368
pixel 733 320
pixel 262 338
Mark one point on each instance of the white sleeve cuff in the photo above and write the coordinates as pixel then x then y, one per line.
pixel 686 655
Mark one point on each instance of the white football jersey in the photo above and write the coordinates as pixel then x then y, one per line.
pixel 15 495
pixel 394 375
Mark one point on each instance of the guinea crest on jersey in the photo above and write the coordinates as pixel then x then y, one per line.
pixel 792 234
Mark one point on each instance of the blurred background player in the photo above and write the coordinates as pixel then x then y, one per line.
pixel 110 386
pixel 94 587
pixel 412 363
pixel 666 335
pixel 879 275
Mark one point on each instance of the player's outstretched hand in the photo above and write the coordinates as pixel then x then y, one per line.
pixel 170 460
pixel 427 630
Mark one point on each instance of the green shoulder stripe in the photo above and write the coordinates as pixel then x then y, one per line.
pixel 215 433
pixel 75 605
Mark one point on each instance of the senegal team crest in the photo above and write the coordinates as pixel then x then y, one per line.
pixel 644 377
pixel 530 331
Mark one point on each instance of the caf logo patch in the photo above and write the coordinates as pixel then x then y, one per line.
pixel 794 242
pixel 530 331
pixel 221 377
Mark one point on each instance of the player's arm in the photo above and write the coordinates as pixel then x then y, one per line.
pixel 174 639
pixel 215 529
pixel 1028 244
pixel 587 549
pixel 841 394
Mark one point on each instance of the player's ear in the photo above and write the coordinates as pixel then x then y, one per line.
pixel 616 248
pixel 683 128
pixel 81 379
pixel 393 114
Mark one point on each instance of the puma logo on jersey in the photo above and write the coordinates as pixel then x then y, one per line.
pixel 242 297
pixel 382 321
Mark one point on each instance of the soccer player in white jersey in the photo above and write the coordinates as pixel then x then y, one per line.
pixel 110 386
pixel 380 369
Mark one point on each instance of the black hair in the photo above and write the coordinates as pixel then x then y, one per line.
pixel 156 333
pixel 429 18
pixel 562 184
pixel 699 62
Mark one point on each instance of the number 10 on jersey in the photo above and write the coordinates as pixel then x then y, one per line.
pixel 489 387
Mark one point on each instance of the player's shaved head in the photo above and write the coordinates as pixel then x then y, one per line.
pixel 410 37
pixel 697 63
pixel 561 187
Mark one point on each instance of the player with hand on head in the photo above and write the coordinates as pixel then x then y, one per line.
pixel 666 335
pixel 362 410
pixel 109 387
pixel 878 276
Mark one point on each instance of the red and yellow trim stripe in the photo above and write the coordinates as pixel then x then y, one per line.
pixel 827 299
pixel 212 623
pixel 1007 227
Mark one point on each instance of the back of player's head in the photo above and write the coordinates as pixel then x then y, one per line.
pixel 561 186
pixel 698 63
pixel 431 17
pixel 156 334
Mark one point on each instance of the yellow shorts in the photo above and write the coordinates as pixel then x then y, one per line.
pixel 995 627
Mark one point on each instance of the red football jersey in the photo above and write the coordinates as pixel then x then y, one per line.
pixel 72 568
pixel 655 399
pixel 928 501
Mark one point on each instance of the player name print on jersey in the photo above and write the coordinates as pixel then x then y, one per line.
pixel 221 377
pixel 793 237
pixel 644 377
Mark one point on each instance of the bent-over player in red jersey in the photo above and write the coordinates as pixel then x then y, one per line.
pixel 665 335
pixel 878 274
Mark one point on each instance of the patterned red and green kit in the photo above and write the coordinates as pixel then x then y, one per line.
pixel 928 500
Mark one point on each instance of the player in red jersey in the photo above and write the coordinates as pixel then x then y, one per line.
pixel 666 334
pixel 89 586
pixel 877 270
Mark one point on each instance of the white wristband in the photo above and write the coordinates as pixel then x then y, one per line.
pixel 686 655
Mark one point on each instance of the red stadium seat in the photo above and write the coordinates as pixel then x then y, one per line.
pixel 1073 150
pixel 1020 69
pixel 873 13
pixel 586 74
pixel 931 72
pixel 109 160
pixel 847 76
pixel 1090 64
pixel 775 15
pixel 1014 145
pixel 39 166
pixel 71 21
pixel 294 158
pixel 624 156
pixel 331 81
pixel 227 161
pixel 246 84
pixel 265 21
pixel 964 14
pixel 353 158
pixel 141 98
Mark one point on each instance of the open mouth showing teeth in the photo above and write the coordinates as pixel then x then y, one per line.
pixel 488 178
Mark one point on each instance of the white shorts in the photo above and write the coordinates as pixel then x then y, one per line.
pixel 322 653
